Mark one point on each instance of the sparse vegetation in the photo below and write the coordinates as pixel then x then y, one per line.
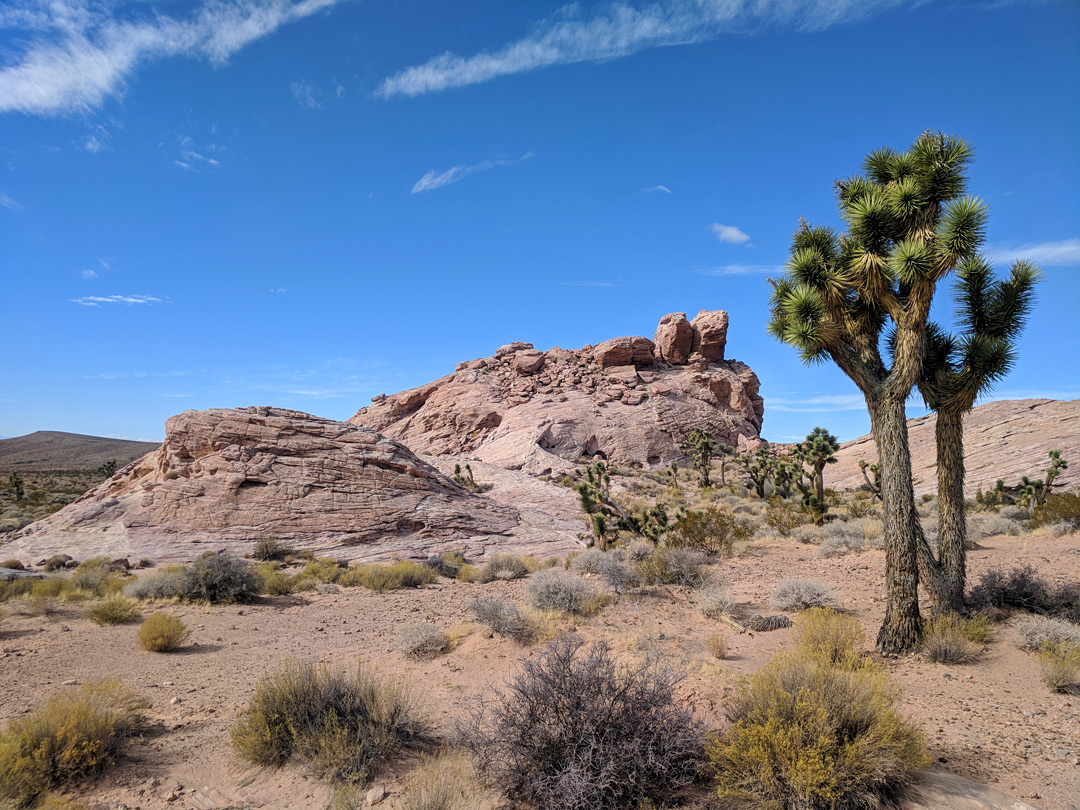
pixel 76 734
pixel 503 566
pixel 342 726
pixel 712 529
pixel 826 634
pixel 1059 666
pixel 801 594
pixel 115 609
pixel 161 632
pixel 575 729
pixel 1033 632
pixel 945 642
pixel 446 563
pixel 504 618
pixel 421 641
pixel 563 592
pixel 674 566
pixel 380 578
pixel 444 782
pixel 214 578
pixel 270 548
pixel 714 601
pixel 716 646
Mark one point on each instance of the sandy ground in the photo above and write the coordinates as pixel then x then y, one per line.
pixel 992 721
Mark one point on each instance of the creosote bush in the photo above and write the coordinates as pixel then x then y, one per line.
pixel 270 548
pixel 674 566
pixel 161 632
pixel 1022 588
pixel 74 735
pixel 576 729
pixel 342 726
pixel 115 609
pixel 826 634
pixel 713 529
pixel 421 640
pixel 1059 666
pixel 800 594
pixel 1060 507
pixel 782 517
pixel 563 592
pixel 380 578
pixel 446 563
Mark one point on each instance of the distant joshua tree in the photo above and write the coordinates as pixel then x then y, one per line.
pixel 700 446
pixel 108 469
pixel 817 450
pixel 15 481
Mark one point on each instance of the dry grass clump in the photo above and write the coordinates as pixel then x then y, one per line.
pixel 674 566
pixel 74 735
pixel 838 544
pixel 944 640
pixel 502 567
pixel 444 782
pixel 1035 631
pixel 13 564
pixel 576 729
pixel 716 646
pixel 381 578
pixel 342 726
pixel 802 594
pixel 161 632
pixel 807 733
pixel 981 526
pixel 563 592
pixel 421 641
pixel 714 601
pixel 503 617
pixel 115 609
pixel 1059 666
pixel 270 548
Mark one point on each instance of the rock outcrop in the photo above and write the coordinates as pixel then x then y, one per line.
pixel 630 400
pixel 225 478
pixel 1006 440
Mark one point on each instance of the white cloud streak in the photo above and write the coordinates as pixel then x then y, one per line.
pixel 9 204
pixel 622 29
pixel 127 300
pixel 729 233
pixel 818 404
pixel 89 274
pixel 433 180
pixel 81 52
pixel 743 270
pixel 1063 253
pixel 305 96
pixel 664 189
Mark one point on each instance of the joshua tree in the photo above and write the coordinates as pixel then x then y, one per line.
pixel 701 447
pixel 1032 492
pixel 723 452
pixel 956 371
pixel 599 507
pixel 875 469
pixel 1057 464
pixel 757 467
pixel 108 469
pixel 908 227
pixel 15 481
pixel 817 450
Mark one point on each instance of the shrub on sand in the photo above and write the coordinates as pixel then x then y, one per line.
pixel 566 593
pixel 115 609
pixel 800 594
pixel 161 632
pixel 826 634
pixel 503 617
pixel 421 640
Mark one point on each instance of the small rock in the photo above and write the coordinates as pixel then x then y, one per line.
pixel 70 682
pixel 176 701
pixel 375 795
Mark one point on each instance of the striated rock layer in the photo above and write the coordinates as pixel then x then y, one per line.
pixel 1006 440
pixel 630 400
pixel 226 478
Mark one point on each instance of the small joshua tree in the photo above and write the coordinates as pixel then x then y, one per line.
pixel 108 469
pixel 1057 464
pixel 817 450
pixel 700 446
pixel 757 468
pixel 875 470
pixel 600 508
pixel 15 481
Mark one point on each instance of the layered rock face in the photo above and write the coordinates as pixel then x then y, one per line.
pixel 630 400
pixel 230 477
pixel 1005 440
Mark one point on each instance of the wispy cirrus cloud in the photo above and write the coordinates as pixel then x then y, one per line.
pixel 818 404
pixel 126 300
pixel 663 189
pixel 306 94
pixel 621 29
pixel 729 233
pixel 743 270
pixel 1062 253
pixel 9 204
pixel 433 179
pixel 78 53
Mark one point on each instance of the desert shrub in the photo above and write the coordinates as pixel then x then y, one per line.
pixel 343 727
pixel 270 548
pixel 991 525
pixel 807 533
pixel 74 735
pixel 93 576
pixel 446 563
pixel 322 571
pixel 610 566
pixel 713 529
pixel 440 783
pixel 274 581
pixel 163 584
pixel 421 640
pixel 1061 528
pixel 381 578
pixel 674 566
pixel 826 634
pixel 1034 631
pixel 566 593
pixel 503 566
pixel 806 734
pixel 115 609
pixel 860 506
pixel 800 594
pixel 839 543
pixel 1019 588
pixel 56 563
pixel 1059 666
pixel 1060 507
pixel 161 632
pixel 218 578
pixel 13 564
pixel 14 588
pixel 639 550
pixel 575 730
pixel 714 601
pixel 782 516
pixel 592 560
pixel 945 642
pixel 716 646
pixel 504 618
pixel 1013 512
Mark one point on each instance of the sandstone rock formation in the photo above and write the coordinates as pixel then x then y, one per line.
pixel 1005 439
pixel 225 478
pixel 629 399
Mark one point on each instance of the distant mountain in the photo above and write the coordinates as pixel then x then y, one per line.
pixel 53 450
pixel 1005 439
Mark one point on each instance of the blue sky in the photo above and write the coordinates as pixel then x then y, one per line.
pixel 306 203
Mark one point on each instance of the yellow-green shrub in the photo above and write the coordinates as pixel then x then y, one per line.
pixel 74 735
pixel 161 632
pixel 114 609
pixel 1059 666
pixel 380 578
pixel 831 636
pixel 275 582
pixel 807 734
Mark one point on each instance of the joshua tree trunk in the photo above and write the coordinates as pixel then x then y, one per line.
pixel 946 584
pixel 819 481
pixel 901 628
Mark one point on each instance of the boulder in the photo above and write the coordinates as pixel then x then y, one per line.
pixel 529 361
pixel 624 351
pixel 710 334
pixel 674 339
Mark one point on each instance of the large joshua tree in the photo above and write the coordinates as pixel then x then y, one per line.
pixel 908 227
pixel 956 371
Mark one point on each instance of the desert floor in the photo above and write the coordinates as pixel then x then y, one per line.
pixel 992 721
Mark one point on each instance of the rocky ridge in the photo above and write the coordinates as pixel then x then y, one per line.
pixel 226 478
pixel 629 400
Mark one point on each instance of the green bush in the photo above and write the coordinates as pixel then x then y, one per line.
pixel 945 640
pixel 343 727
pixel 1060 507
pixel 782 517
pixel 380 578
pixel 1059 666
pixel 270 548
pixel 832 637
pixel 714 529
pixel 446 563
pixel 114 609
pixel 161 632
pixel 809 735
pixel 95 576
pixel 274 581
pixel 74 735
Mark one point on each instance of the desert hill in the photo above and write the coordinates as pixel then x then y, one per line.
pixel 629 400
pixel 55 450
pixel 1005 439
